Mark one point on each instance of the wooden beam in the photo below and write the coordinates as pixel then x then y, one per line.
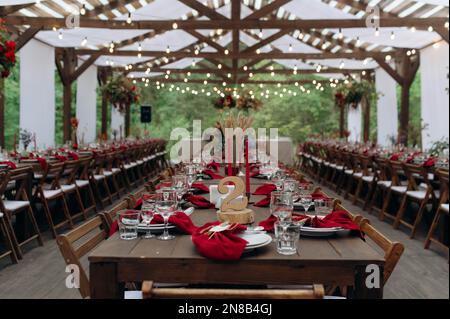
pixel 226 24
pixel 112 4
pixel 207 40
pixel 275 5
pixel 212 71
pixel 443 32
pixel 103 74
pixel 203 10
pixel 266 41
pixel 389 70
pixel 240 81
pixel 6 10
pixel 86 64
pixel 27 36
pixel 2 113
pixel 235 16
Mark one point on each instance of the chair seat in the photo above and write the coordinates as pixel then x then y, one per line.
pixel 348 171
pixel 358 175
pixel 115 170
pixel 13 205
pixel 82 183
pixel 67 188
pixel 384 183
pixel 108 173
pixel 444 207
pixel 99 177
pixel 140 162
pixel 52 193
pixel 131 165
pixel 11 186
pixel 368 178
pixel 399 189
pixel 339 167
pixel 1 215
pixel 421 194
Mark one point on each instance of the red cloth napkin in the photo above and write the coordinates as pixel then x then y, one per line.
pixel 211 174
pixel 268 223
pixel 223 246
pixel 200 186
pixel 429 162
pixel 319 196
pixel 9 163
pixel 395 157
pixel 182 221
pixel 61 158
pixel 265 202
pixel 163 184
pixel 73 155
pixel 198 201
pixel 255 173
pixel 265 189
pixel 213 166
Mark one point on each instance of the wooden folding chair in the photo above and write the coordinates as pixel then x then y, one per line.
pixel 98 180
pixel 420 190
pixel 150 292
pixel 18 202
pixel 91 233
pixel 69 187
pixel 366 176
pixel 396 188
pixel 441 211
pixel 6 233
pixel 83 184
pixel 48 192
pixel 383 183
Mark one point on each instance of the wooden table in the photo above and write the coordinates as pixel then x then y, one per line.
pixel 337 260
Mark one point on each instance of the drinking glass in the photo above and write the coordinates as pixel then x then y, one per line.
pixel 147 213
pixel 290 185
pixel 180 184
pixel 281 205
pixel 305 188
pixel 323 206
pixel 287 237
pixel 166 205
pixel 128 223
pixel 278 179
pixel 306 201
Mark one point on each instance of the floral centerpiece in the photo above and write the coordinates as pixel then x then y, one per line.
pixel 7 51
pixel 74 123
pixel 225 102
pixel 248 102
pixel 26 137
pixel 121 92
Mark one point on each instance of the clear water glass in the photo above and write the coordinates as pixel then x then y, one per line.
pixel 281 205
pixel 323 207
pixel 290 185
pixel 166 205
pixel 287 238
pixel 180 184
pixel 147 213
pixel 278 178
pixel 128 223
pixel 306 201
pixel 305 188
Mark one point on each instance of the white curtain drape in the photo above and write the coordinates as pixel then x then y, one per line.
pixel 117 123
pixel 37 91
pixel 387 111
pixel 434 93
pixel 87 105
pixel 354 121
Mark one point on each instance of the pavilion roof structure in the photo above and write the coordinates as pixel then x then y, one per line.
pixel 232 40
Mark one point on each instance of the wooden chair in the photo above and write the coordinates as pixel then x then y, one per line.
pixel 98 180
pixel 392 250
pixel 69 187
pixel 110 215
pixel 18 203
pixel 83 184
pixel 48 192
pixel 420 190
pixel 6 232
pixel 367 177
pixel 442 210
pixel 91 233
pixel 150 292
pixel 383 183
pixel 113 174
pixel 396 188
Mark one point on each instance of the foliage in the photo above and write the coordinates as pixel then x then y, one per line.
pixel 438 147
pixel 247 102
pixel 121 92
pixel 7 51
pixel 353 92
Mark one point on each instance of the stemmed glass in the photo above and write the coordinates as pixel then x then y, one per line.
pixel 180 184
pixel 278 179
pixel 147 214
pixel 281 205
pixel 306 201
pixel 191 175
pixel 166 205
pixel 305 188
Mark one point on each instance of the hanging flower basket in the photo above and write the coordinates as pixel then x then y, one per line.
pixel 353 92
pixel 248 102
pixel 226 102
pixel 121 93
pixel 7 51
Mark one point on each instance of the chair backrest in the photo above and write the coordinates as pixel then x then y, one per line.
pixel 392 250
pixel 52 174
pixel 71 171
pixel 396 168
pixel 83 168
pixel 150 292
pixel 91 233
pixel 110 215
pixel 417 175
pixel 383 169
pixel 21 178
pixel 443 180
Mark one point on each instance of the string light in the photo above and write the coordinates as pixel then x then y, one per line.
pixel 219 66
pixel 140 47
pixel 129 18
pixel 83 10
pixel 208 75
pixel 413 29
pixel 358 42
pixel 388 58
pixel 193 63
pixel 168 50
pixel 174 26
pixel 261 35
pixel 84 42
pixel 341 65
pixel 226 52
pixel 245 68
pixel 377 32
pixel 258 51
pixel 340 35
pixel 290 48
pixel 60 35
pixel 392 35
pixel 430 28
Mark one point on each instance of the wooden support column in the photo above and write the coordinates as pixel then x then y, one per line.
pixel 366 109
pixel 342 121
pixel 103 78
pixel 2 113
pixel 127 120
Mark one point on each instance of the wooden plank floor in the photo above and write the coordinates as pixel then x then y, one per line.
pixel 420 273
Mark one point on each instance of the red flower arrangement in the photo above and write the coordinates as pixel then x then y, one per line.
pixel 7 51
pixel 74 122
pixel 121 92
pixel 225 102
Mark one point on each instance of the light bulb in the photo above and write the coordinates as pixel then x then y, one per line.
pixel 174 26
pixel 83 10
pixel 392 35
pixel 129 18
pixel 84 42
pixel 377 32
pixel 60 35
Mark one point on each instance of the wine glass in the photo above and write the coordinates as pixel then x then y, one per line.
pixel 147 214
pixel 180 184
pixel 306 201
pixel 278 179
pixel 166 205
pixel 281 205
pixel 290 185
pixel 305 188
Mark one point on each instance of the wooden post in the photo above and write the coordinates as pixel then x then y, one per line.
pixel 342 121
pixel 366 108
pixel 127 120
pixel 2 113
pixel 103 78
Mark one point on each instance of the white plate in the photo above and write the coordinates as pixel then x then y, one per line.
pixel 144 227
pixel 256 240
pixel 321 232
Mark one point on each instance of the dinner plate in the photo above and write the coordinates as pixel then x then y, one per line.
pixel 155 227
pixel 321 232
pixel 256 240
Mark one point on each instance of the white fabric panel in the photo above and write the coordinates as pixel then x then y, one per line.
pixel 435 2
pixel 354 123
pixel 117 122
pixel 387 111
pixel 316 9
pixel 87 105
pixel 37 91
pixel 434 98
pixel 14 2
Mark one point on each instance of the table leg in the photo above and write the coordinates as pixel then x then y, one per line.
pixel 103 281
pixel 368 283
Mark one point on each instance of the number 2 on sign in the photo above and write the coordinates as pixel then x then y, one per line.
pixel 239 186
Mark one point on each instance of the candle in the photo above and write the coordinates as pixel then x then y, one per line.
pixel 247 168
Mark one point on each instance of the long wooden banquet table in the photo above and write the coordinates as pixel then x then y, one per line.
pixel 329 261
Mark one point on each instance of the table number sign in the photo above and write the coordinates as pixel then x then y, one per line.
pixel 232 210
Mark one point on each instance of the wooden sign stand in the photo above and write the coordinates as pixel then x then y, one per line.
pixel 234 212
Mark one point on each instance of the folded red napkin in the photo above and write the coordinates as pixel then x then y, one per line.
pixel 61 158
pixel 182 221
pixel 163 184
pixel 429 162
pixel 395 157
pixel 9 163
pixel 211 174
pixel 198 201
pixel 265 202
pixel 214 166
pixel 268 224
pixel 200 186
pixel 255 173
pixel 319 195
pixel 265 189
pixel 73 155
pixel 222 246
